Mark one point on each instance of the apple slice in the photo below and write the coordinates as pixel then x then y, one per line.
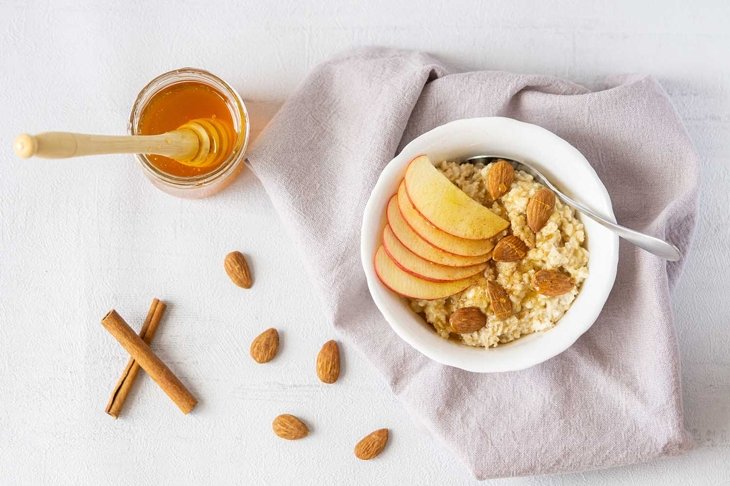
pixel 438 238
pixel 407 285
pixel 421 247
pixel 446 206
pixel 415 265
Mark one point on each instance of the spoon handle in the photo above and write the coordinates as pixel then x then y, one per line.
pixel 60 145
pixel 651 244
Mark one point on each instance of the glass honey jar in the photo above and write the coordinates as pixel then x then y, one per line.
pixel 173 99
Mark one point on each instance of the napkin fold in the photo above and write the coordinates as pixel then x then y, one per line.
pixel 614 397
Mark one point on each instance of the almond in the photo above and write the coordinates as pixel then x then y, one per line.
pixel 237 269
pixel 289 427
pixel 328 362
pixel 265 345
pixel 539 208
pixel 467 320
pixel 499 178
pixel 552 282
pixel 509 249
pixel 371 445
pixel 501 304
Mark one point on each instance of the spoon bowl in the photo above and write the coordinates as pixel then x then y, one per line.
pixel 214 142
pixel 653 245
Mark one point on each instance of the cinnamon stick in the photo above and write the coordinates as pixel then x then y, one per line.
pixel 148 361
pixel 126 380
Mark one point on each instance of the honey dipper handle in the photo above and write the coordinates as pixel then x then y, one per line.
pixel 60 145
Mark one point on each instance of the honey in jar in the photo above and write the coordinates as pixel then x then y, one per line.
pixel 176 105
pixel 173 99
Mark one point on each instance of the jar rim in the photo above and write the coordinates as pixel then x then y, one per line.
pixel 240 119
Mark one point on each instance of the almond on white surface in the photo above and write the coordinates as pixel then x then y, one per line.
pixel 265 346
pixel 237 269
pixel 371 445
pixel 328 362
pixel 289 427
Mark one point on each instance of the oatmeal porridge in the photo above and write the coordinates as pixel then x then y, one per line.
pixel 558 247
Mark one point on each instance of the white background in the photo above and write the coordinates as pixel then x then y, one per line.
pixel 81 236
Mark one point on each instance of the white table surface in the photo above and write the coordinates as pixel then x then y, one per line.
pixel 79 237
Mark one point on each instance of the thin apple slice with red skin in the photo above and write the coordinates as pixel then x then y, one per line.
pixel 415 265
pixel 438 238
pixel 407 285
pixel 446 206
pixel 421 247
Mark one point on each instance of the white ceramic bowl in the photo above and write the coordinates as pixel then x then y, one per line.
pixel 568 169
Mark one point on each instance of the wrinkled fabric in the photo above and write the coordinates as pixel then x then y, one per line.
pixel 611 399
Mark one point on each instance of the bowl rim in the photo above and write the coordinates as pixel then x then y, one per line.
pixel 372 217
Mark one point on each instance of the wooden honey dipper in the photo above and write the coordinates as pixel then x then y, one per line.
pixel 198 143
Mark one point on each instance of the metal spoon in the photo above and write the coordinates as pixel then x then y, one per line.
pixel 651 244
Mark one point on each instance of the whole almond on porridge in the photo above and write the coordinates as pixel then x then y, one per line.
pixel 467 320
pixel 499 178
pixel 539 208
pixel 237 269
pixel 328 362
pixel 265 346
pixel 552 282
pixel 499 298
pixel 289 427
pixel 371 445
pixel 509 249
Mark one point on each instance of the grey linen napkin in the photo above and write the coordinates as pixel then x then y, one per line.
pixel 614 397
